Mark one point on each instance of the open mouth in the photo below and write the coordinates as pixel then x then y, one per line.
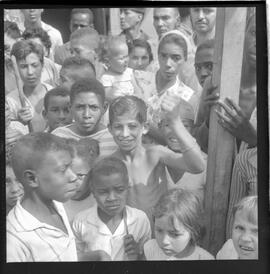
pixel 246 248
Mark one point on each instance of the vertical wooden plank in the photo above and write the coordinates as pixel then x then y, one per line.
pixel 230 34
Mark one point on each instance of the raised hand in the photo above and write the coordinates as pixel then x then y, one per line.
pixel 209 97
pixel 236 122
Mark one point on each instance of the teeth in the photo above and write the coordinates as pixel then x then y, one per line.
pixel 246 248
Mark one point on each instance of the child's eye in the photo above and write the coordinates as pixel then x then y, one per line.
pixel 239 227
pixel 120 189
pixel 176 58
pixel 158 230
pixel 174 234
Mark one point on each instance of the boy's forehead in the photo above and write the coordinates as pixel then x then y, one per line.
pixel 128 117
pixel 58 100
pixel 204 55
pixel 110 180
pixel 83 96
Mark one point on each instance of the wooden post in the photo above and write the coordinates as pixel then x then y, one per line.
pixel 228 56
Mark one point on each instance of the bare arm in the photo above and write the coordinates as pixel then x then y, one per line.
pixel 190 159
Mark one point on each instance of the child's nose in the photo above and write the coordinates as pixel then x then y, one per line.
pixel 111 196
pixel 246 237
pixel 165 239
pixel 126 131
pixel 15 188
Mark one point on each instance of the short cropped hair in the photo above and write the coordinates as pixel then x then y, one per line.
pixel 87 85
pixel 12 29
pixel 128 104
pixel 86 149
pixel 249 206
pixel 38 33
pixel 111 43
pixel 207 44
pixel 107 166
pixel 58 91
pixel 31 149
pixel 23 48
pixel 182 205
pixel 142 44
pixel 83 11
pixel 76 62
pixel 174 38
pixel 83 33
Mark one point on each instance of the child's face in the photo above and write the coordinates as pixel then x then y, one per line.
pixel 139 58
pixel 87 110
pixel 55 178
pixel 170 57
pixel 84 49
pixel 9 42
pixel 204 64
pixel 118 58
pixel 14 189
pixel 127 132
pixel 171 239
pixel 80 168
pixel 30 70
pixel 203 19
pixel 245 236
pixel 58 113
pixel 170 136
pixel 110 192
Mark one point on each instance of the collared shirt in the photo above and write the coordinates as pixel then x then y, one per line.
pixel 92 234
pixel 189 102
pixel 153 252
pixel 244 181
pixel 227 252
pixel 29 240
pixel 106 142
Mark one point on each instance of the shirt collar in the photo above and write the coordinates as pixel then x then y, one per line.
pixel 27 222
pixel 94 219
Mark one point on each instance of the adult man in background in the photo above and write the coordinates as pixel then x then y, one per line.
pixel 79 18
pixel 32 20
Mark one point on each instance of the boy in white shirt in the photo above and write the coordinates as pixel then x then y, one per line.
pixel 111 225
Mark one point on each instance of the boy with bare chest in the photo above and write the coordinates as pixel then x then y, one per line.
pixel 146 164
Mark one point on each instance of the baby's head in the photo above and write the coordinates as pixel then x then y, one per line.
pixel 85 151
pixel 140 54
pixel 75 68
pixel 42 163
pixel 127 121
pixel 177 227
pixel 116 54
pixel 109 184
pixel 245 228
pixel 57 108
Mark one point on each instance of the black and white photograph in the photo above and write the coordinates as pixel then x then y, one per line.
pixel 131 135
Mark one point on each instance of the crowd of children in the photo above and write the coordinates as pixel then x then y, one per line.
pixel 106 139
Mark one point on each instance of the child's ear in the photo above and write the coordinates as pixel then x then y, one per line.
pixel 30 178
pixel 105 106
pixel 145 128
pixel 44 114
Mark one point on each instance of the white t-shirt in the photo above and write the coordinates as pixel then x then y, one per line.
pixel 122 83
pixel 227 252
pixel 153 252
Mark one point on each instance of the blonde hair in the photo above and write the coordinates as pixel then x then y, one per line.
pixel 184 206
pixel 248 206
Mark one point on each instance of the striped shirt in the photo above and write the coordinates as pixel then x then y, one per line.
pixel 29 240
pixel 106 143
pixel 243 183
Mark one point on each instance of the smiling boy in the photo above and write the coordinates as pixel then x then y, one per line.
pixel 88 105
pixel 37 227
pixel 146 165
